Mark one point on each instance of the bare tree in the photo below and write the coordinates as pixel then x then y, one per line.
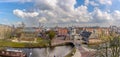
pixel 110 47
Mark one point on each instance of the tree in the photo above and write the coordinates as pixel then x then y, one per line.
pixel 8 34
pixel 51 35
pixel 110 47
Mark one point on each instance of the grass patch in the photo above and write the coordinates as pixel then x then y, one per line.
pixel 40 43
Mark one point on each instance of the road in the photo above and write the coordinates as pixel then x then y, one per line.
pixel 84 51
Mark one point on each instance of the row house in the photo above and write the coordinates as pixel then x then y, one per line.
pixel 97 31
pixel 62 32
pixel 69 33
pixel 94 30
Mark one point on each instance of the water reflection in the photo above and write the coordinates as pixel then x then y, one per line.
pixel 59 51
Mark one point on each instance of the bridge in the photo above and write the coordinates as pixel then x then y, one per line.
pixel 83 51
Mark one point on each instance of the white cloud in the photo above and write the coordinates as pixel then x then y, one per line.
pixel 105 2
pixel 63 11
pixel 97 2
pixel 116 14
pixel 22 14
pixel 82 14
pixel 53 11
pixel 42 20
pixel 93 3
pixel 100 16
pixel 87 2
pixel 66 5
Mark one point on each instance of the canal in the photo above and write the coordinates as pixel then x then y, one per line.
pixel 58 51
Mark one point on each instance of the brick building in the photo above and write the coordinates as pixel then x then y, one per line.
pixel 62 32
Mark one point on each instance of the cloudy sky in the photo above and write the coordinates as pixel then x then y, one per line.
pixel 60 12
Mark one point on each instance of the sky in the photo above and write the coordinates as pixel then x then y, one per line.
pixel 60 12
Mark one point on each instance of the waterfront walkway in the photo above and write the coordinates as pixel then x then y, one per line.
pixel 86 53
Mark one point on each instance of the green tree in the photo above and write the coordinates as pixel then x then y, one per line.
pixel 51 35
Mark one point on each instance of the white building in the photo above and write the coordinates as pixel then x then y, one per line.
pixel 74 35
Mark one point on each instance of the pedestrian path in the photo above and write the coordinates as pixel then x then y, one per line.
pixel 85 52
pixel 77 53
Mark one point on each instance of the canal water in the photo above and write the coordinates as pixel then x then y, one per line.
pixel 59 51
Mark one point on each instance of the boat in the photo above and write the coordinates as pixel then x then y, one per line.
pixel 12 53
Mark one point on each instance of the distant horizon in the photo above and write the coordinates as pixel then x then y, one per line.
pixel 61 26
